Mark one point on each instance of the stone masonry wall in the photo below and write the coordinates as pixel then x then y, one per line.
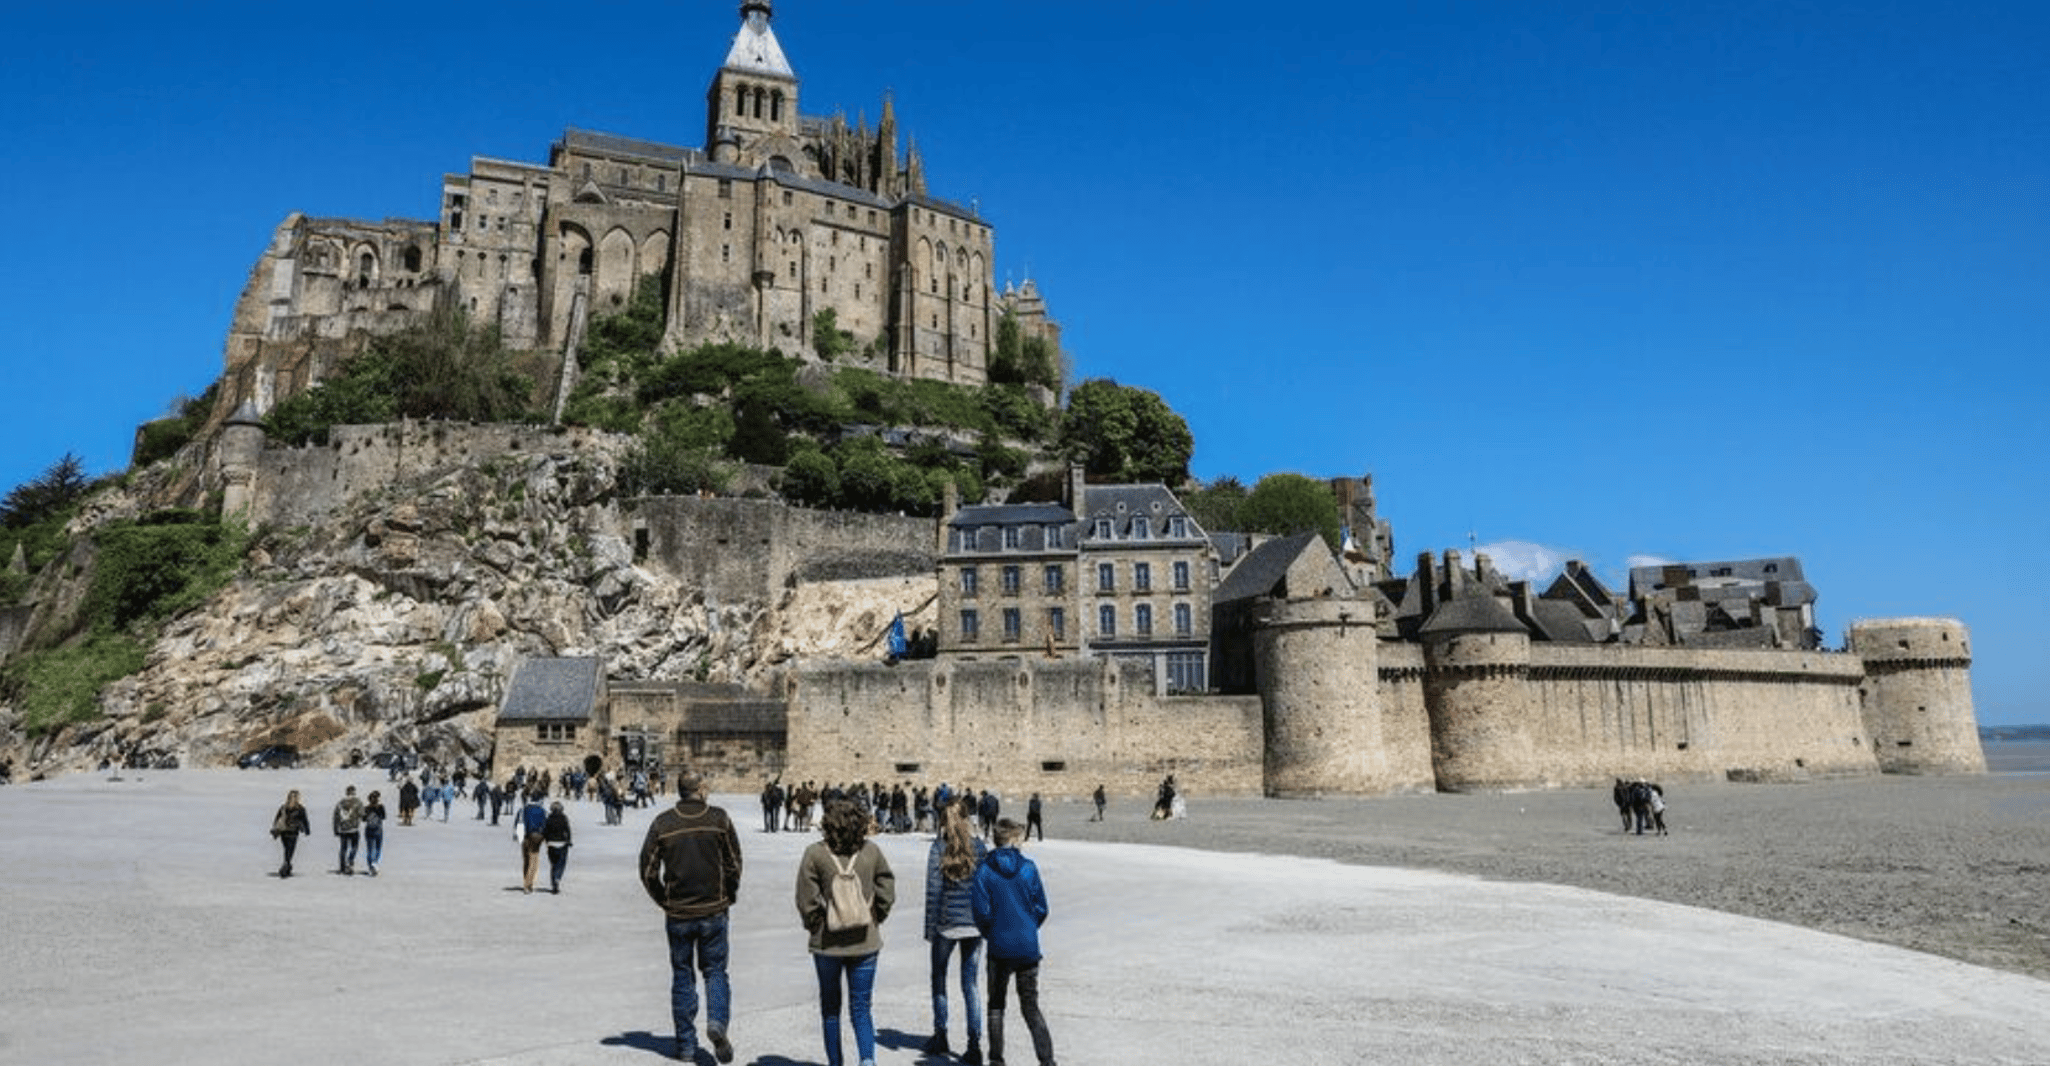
pixel 1058 728
pixel 741 550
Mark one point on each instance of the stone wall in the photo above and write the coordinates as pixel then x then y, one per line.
pixel 751 550
pixel 1059 728
pixel 735 740
pixel 302 486
pixel 1917 694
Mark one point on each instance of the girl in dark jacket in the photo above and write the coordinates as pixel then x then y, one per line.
pixel 850 952
pixel 950 924
pixel 286 825
pixel 555 833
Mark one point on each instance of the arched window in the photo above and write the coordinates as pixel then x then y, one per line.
pixel 776 105
pixel 584 262
pixel 366 268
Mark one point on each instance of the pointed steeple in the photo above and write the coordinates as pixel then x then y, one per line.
pixel 755 47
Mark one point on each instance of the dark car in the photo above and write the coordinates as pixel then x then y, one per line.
pixel 271 757
pixel 403 760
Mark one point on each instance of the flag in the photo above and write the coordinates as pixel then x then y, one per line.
pixel 898 646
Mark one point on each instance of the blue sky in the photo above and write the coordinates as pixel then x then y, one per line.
pixel 1568 279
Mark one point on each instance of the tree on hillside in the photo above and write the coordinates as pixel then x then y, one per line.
pixel 1120 433
pixel 1215 506
pixel 1290 503
pixel 44 495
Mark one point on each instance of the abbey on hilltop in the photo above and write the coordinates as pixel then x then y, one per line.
pixel 780 223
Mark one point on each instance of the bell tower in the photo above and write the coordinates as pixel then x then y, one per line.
pixel 751 110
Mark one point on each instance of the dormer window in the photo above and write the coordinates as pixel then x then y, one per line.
pixel 1103 529
pixel 1178 527
pixel 1142 528
pixel 1011 537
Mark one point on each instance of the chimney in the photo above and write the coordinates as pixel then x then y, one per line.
pixel 1076 486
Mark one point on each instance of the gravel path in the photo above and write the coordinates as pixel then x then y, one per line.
pixel 1954 866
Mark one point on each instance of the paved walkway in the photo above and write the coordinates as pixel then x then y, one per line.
pixel 142 923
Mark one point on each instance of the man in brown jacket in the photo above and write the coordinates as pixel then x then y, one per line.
pixel 690 865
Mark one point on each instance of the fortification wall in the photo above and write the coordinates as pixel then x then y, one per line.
pixel 301 486
pixel 735 741
pixel 1058 728
pixel 1606 711
pixel 1405 720
pixel 699 542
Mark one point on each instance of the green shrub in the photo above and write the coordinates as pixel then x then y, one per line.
pixel 58 687
pixel 157 568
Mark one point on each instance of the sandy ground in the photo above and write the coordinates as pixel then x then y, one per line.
pixel 142 922
pixel 1955 866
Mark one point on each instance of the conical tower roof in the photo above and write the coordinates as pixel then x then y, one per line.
pixel 754 48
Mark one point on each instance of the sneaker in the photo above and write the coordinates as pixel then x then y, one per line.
pixel 722 1049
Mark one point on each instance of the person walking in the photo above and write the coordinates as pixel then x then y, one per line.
pixel 690 866
pixel 844 893
pixel 285 827
pixel 987 810
pixel 1010 905
pixel 348 821
pixel 409 799
pixel 555 834
pixel 373 831
pixel 950 926
pixel 1100 800
pixel 1034 818
pixel 527 830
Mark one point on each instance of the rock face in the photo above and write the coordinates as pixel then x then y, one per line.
pixel 398 624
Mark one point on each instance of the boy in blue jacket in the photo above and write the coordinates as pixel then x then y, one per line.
pixel 1010 906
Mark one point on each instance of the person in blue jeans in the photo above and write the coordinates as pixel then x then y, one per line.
pixel 950 926
pixel 1010 906
pixel 844 946
pixel 373 831
pixel 690 866
pixel 348 831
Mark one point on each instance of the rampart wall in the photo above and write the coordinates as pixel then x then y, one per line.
pixel 741 550
pixel 1059 728
pixel 301 486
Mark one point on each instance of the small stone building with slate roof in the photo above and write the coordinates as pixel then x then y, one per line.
pixel 550 717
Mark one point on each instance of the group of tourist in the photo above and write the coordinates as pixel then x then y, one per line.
pixel 981 897
pixel 1642 804
pixel 976 896
pixel 899 808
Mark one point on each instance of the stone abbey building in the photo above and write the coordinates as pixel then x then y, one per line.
pixel 778 220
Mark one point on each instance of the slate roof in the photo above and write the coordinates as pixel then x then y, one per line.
pixel 1473 614
pixel 1751 573
pixel 1122 503
pixel 1011 514
pixel 614 144
pixel 551 690
pixel 1262 569
pixel 756 49
pixel 1560 621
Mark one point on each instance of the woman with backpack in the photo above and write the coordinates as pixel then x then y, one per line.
pixel 950 924
pixel 844 892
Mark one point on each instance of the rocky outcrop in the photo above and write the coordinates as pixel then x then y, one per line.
pixel 399 623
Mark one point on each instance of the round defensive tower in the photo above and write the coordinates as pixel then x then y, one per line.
pixel 1319 665
pixel 1476 688
pixel 241 446
pixel 1917 695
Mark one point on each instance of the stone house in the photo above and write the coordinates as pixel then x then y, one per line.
pixel 549 717
pixel 1119 571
